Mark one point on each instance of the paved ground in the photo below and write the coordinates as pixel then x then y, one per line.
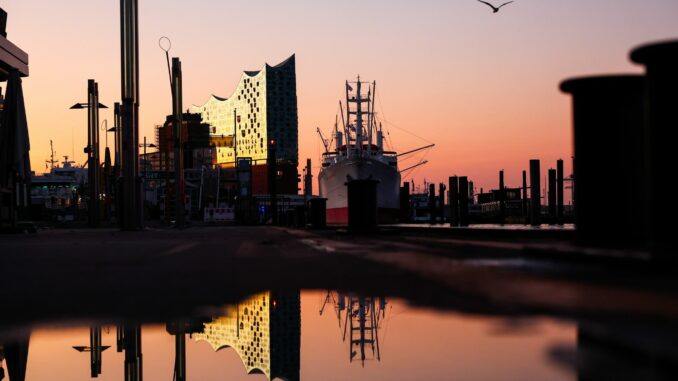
pixel 106 273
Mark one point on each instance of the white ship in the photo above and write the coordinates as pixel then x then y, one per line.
pixel 359 154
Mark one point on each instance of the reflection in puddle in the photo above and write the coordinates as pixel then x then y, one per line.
pixel 276 335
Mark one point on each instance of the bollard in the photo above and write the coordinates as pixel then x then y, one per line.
pixel 454 201
pixel 502 197
pixel 405 203
pixel 318 212
pixel 362 205
pixel 441 202
pixel 463 201
pixel 535 197
pixel 432 203
pixel 560 193
pixel 524 203
pixel 553 209
pixel 661 132
pixel 608 147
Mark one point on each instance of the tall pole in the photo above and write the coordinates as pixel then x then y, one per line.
pixel 561 191
pixel 177 106
pixel 129 112
pixel 93 152
pixel 535 188
pixel 454 201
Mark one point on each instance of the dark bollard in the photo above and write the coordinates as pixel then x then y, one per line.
pixel 524 204
pixel 432 203
pixel 463 201
pixel 535 189
pixel 553 209
pixel 560 193
pixel 661 133
pixel 318 212
pixel 454 201
pixel 300 216
pixel 362 205
pixel 405 203
pixel 502 197
pixel 608 147
pixel 441 202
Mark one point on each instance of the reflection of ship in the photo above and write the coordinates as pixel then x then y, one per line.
pixel 360 319
pixel 265 331
pixel 360 156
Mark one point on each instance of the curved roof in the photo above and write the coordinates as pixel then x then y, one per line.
pixel 253 73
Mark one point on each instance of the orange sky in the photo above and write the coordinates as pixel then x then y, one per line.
pixel 482 86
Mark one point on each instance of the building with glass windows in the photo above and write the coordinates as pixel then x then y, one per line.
pixel 260 114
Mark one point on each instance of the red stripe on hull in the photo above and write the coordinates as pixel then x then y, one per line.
pixel 339 216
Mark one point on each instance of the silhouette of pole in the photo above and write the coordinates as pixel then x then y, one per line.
pixel 441 202
pixel 535 187
pixel 608 116
pixel 129 116
pixel 454 201
pixel 177 107
pixel 405 202
pixel 661 62
pixel 553 209
pixel 463 201
pixel 524 203
pixel 432 203
pixel 502 197
pixel 561 192
pixel 93 159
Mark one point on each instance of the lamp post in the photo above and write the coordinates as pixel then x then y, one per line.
pixel 92 149
pixel 144 145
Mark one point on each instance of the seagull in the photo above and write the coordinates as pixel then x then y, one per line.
pixel 495 9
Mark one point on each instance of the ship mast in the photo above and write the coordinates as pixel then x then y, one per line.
pixel 52 161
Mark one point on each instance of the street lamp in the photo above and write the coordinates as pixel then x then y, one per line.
pixel 144 145
pixel 92 149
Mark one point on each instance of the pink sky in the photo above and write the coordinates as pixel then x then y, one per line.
pixel 482 86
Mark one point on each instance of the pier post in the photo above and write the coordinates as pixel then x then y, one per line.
pixel 661 62
pixel 608 115
pixel 454 201
pixel 560 192
pixel 432 203
pixel 524 203
pixel 405 202
pixel 535 197
pixel 502 197
pixel 177 124
pixel 553 208
pixel 441 200
pixel 463 201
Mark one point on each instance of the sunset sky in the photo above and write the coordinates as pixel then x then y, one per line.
pixel 482 86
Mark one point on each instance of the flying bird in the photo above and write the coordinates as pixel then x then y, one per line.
pixel 495 9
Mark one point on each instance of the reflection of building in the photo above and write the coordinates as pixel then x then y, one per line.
pixel 265 331
pixel 262 109
pixel 360 321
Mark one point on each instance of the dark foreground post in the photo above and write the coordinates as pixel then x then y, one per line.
pixel 92 150
pixel 535 189
pixel 524 204
pixel 661 61
pixel 362 205
pixel 432 203
pixel 318 212
pixel 273 180
pixel 454 201
pixel 463 201
pixel 177 127
pixel 608 116
pixel 129 116
pixel 502 197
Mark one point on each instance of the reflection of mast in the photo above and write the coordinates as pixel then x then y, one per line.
pixel 179 329
pixel 360 317
pixel 95 348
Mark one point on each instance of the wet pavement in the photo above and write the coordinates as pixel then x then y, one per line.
pixel 536 310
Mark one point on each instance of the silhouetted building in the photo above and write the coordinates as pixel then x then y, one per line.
pixel 262 110
pixel 265 331
pixel 196 143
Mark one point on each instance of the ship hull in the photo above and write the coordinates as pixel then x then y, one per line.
pixel 332 182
